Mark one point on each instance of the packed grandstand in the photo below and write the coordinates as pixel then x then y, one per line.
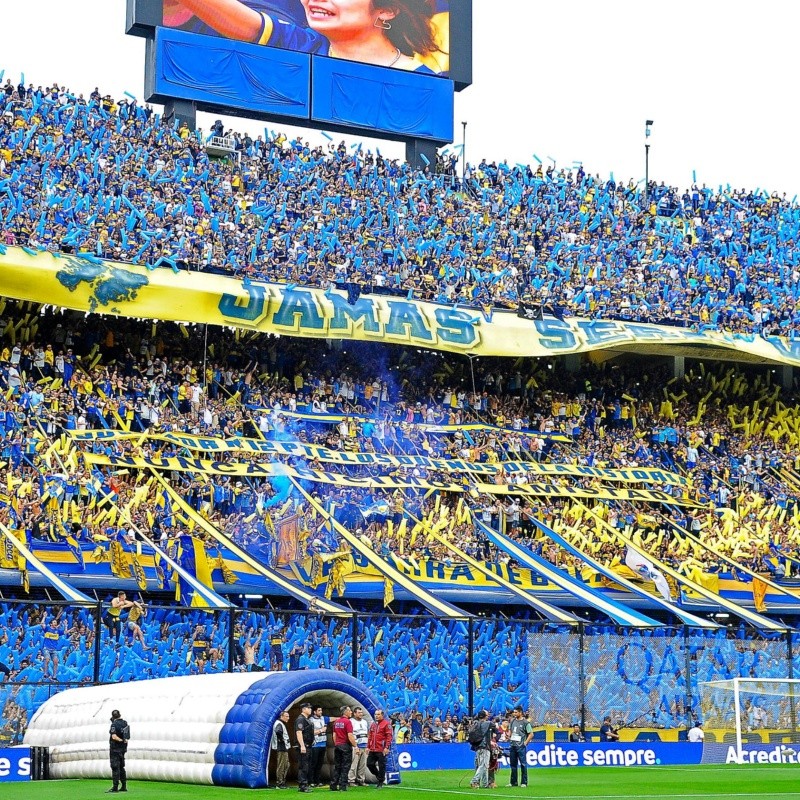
pixel 346 468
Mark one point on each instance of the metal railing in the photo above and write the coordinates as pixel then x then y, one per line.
pixel 562 673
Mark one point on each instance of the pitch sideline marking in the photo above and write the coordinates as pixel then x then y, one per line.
pixel 483 793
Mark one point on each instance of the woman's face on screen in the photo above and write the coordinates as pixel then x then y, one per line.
pixel 340 17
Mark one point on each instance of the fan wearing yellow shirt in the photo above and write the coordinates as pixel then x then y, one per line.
pixel 398 509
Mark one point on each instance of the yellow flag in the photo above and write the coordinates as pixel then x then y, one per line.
pixel 202 569
pixel 228 575
pixel 388 592
pixel 759 593
pixel 138 572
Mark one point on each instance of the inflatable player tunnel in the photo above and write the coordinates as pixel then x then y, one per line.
pixel 212 729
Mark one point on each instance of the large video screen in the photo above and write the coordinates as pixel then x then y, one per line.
pixel 410 35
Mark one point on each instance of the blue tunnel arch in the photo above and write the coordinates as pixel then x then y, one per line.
pixel 242 756
pixel 206 729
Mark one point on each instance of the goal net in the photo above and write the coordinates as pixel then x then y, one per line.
pixel 743 712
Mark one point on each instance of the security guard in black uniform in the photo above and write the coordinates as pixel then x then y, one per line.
pixel 118 746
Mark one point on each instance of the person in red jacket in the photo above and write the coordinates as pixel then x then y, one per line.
pixel 379 740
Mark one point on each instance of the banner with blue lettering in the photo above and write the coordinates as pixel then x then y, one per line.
pixel 85 283
pixel 556 754
pixel 597 754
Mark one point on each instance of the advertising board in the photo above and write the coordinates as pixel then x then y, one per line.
pixel 15 764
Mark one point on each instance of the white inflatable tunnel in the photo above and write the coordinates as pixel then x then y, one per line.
pixel 212 729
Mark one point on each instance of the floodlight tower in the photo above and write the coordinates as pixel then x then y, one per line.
pixel 647 125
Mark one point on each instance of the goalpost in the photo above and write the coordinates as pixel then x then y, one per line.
pixel 743 710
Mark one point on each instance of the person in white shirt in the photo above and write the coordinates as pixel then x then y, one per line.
pixel 13 379
pixel 758 717
pixel 696 733
pixel 320 747
pixel 358 768
pixel 38 358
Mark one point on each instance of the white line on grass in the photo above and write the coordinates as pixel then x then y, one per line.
pixel 721 768
pixel 725 795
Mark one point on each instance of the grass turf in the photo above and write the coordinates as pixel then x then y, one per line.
pixel 717 782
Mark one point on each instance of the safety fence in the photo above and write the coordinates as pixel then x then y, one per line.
pixel 560 673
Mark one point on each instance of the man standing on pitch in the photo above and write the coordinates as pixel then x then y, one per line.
pixel 343 743
pixel 304 731
pixel 320 724
pixel 357 776
pixel 379 740
pixel 118 746
pixel 280 745
pixel 485 729
pixel 520 735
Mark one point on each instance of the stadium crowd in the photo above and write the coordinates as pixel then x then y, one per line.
pixel 417 665
pixel 736 452
pixel 115 180
pixel 597 425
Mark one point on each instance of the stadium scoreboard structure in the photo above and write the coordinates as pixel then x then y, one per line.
pixel 272 63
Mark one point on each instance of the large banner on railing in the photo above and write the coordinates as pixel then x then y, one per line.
pixel 298 449
pixel 86 283
pixel 257 470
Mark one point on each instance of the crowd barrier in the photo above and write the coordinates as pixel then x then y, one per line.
pixel 562 673
pixel 24 764
pixel 564 754
pixel 621 754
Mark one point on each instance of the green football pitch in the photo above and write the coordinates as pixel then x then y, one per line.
pixel 778 782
